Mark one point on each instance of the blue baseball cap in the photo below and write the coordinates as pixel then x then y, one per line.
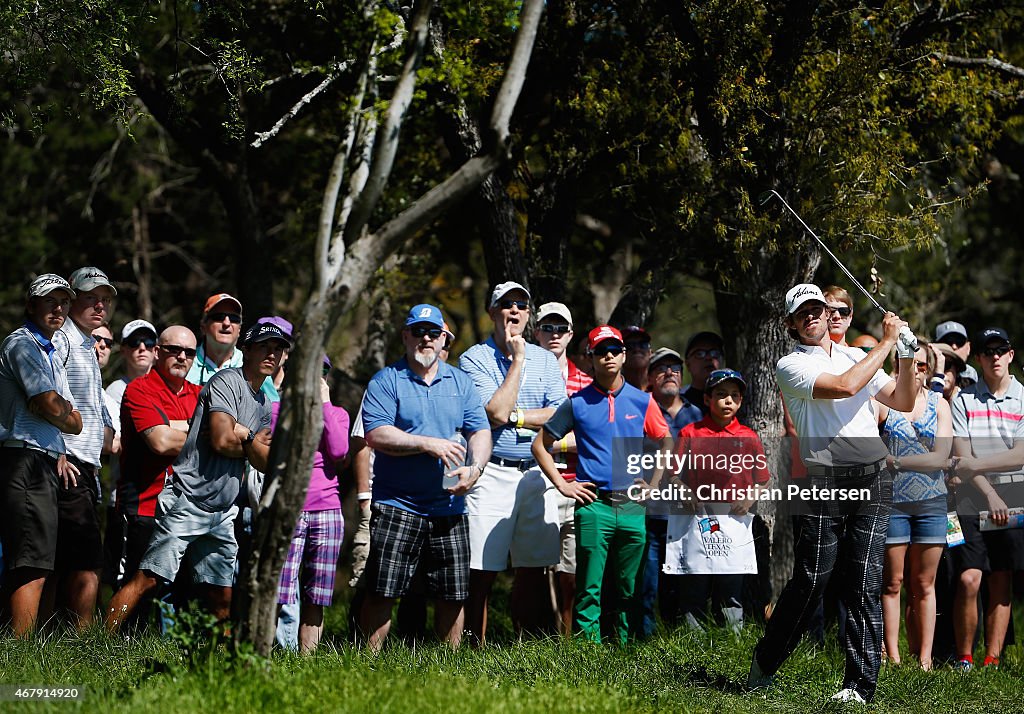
pixel 724 375
pixel 425 313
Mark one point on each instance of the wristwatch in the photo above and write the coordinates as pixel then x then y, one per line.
pixel 250 437
pixel 896 465
pixel 513 418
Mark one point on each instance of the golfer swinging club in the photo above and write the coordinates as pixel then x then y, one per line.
pixel 827 389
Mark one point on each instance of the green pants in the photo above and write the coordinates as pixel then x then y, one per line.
pixel 612 534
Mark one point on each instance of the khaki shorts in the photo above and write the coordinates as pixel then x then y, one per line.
pixel 360 548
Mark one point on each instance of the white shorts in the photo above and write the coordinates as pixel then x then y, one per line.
pixel 567 532
pixel 512 512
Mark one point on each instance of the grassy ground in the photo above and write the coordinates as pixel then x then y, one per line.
pixel 681 672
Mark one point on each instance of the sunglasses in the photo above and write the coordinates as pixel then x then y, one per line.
pixel 638 346
pixel 662 368
pixel 841 309
pixel 955 342
pixel 706 354
pixel 507 304
pixel 813 311
pixel 613 350
pixel 995 351
pixel 234 317
pixel 134 342
pixel 555 329
pixel 190 352
pixel 103 340
pixel 432 332
pixel 922 367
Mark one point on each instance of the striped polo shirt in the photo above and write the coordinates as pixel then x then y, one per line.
pixel 540 385
pixel 991 424
pixel 29 367
pixel 86 384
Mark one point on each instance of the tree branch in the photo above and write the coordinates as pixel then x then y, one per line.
pixel 990 62
pixel 336 71
pixel 515 75
pixel 386 146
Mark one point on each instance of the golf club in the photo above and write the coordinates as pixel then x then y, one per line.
pixel 767 195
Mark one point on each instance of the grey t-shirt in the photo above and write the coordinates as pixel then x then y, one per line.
pixel 212 481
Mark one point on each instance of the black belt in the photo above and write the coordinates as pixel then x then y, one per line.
pixel 521 464
pixel 613 497
pixel 847 471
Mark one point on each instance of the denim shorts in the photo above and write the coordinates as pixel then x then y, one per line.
pixel 921 522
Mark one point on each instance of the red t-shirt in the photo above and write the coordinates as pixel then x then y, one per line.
pixel 148 402
pixel 727 457
pixel 575 380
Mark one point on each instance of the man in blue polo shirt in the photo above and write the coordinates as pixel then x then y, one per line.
pixel 610 419
pixel 512 510
pixel 412 411
pixel 35 411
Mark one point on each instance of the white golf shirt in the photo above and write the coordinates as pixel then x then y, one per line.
pixel 833 432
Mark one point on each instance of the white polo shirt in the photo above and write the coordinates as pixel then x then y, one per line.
pixel 833 432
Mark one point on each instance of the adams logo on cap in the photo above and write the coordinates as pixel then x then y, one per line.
pixel 799 294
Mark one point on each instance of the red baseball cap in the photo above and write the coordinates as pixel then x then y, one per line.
pixel 602 333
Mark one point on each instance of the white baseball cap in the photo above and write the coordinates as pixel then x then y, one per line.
pixel 135 326
pixel 554 308
pixel 799 294
pixel 504 288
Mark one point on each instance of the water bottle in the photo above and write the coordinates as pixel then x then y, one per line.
pixel 450 479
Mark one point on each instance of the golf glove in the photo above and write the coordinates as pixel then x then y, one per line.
pixel 906 343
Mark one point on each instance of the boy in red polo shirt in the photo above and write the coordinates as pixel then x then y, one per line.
pixel 724 464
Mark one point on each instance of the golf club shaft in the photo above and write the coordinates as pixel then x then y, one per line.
pixel 831 254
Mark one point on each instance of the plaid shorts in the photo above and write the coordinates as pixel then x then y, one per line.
pixel 314 551
pixel 399 540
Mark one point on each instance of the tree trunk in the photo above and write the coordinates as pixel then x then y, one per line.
pixel 298 431
pixel 753 302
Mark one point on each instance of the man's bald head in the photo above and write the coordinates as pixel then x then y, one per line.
pixel 176 349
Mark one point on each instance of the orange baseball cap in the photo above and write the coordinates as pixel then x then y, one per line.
pixel 211 302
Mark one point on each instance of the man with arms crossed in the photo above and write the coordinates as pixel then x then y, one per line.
pixel 196 510
pixel 35 410
pixel 827 389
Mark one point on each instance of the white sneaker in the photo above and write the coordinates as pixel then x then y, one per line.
pixel 848 695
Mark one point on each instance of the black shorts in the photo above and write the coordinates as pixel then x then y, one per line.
pixel 138 533
pixel 79 545
pixel 988 551
pixel 28 508
pixel 399 540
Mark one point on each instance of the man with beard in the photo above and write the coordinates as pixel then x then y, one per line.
pixel 35 411
pixel 638 355
pixel 411 412
pixel 828 390
pixel 195 511
pixel 510 508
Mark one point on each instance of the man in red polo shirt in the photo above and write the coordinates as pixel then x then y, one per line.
pixel 154 423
